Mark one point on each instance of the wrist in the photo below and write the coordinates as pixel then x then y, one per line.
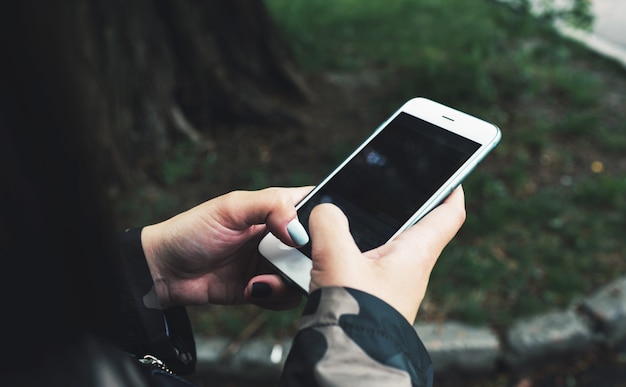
pixel 151 241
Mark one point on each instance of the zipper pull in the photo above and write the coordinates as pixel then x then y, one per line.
pixel 153 361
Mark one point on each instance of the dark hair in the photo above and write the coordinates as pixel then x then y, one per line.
pixel 53 224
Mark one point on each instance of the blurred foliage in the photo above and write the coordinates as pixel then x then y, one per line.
pixel 543 228
pixel 546 210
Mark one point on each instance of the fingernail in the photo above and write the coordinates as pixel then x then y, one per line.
pixel 297 232
pixel 261 290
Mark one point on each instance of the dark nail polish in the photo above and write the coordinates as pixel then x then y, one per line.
pixel 261 290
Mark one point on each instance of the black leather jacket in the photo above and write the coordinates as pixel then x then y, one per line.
pixel 346 338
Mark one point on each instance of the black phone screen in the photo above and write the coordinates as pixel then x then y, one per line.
pixel 391 178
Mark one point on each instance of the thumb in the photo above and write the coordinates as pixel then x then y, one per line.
pixel 334 251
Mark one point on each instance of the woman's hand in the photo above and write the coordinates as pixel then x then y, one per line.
pixel 209 253
pixel 397 272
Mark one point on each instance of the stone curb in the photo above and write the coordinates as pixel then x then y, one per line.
pixel 593 41
pixel 597 320
pixel 260 360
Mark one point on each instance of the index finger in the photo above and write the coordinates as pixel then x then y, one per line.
pixel 274 207
pixel 437 228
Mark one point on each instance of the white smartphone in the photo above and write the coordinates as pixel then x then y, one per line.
pixel 404 169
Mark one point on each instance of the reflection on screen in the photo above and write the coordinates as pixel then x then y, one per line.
pixel 391 178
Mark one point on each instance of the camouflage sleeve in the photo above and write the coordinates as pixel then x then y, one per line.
pixel 350 338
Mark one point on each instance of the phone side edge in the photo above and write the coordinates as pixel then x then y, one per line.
pixel 292 265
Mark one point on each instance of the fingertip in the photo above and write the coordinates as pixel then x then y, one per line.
pixel 260 290
pixel 442 223
pixel 265 286
pixel 282 219
pixel 297 232
pixel 330 233
pixel 459 193
pixel 269 291
pixel 457 200
pixel 327 212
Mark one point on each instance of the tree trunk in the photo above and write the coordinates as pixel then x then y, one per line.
pixel 150 71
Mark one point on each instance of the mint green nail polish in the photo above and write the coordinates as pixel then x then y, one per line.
pixel 297 232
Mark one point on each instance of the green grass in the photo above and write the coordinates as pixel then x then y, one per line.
pixel 524 256
pixel 542 228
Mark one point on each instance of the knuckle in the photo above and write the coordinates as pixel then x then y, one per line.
pixel 234 197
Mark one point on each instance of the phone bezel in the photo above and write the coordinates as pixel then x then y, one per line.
pixel 296 266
